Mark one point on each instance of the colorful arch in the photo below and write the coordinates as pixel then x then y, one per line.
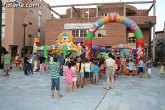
pixel 117 19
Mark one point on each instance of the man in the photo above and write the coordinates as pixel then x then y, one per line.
pixel 6 62
pixel 31 64
pixel 110 69
pixel 26 65
pixel 53 68
pixel 61 59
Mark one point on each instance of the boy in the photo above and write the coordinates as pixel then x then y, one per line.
pixel 96 72
pixel 53 68
pixel 130 66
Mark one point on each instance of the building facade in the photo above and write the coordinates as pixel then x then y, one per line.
pixel 13 19
pixel 110 34
pixel 160 46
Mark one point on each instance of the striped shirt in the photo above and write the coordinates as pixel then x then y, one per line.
pixel 54 67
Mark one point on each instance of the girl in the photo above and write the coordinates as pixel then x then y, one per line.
pixel 87 71
pixel 161 69
pixel 74 75
pixel 68 78
pixel 101 70
pixel 81 74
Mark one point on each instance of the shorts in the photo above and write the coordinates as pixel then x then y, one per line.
pixel 81 74
pixel 6 66
pixel 109 72
pixel 130 71
pixel 74 79
pixel 91 75
pixel 86 74
pixel 149 71
pixel 118 68
pixel 140 69
pixel 95 76
pixel 101 70
pixel 55 84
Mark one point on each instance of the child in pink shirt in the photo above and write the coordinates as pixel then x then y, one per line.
pixel 68 78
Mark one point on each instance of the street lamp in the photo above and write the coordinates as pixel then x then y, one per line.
pixel 0 32
pixel 30 42
pixel 24 25
pixel 149 23
pixel 30 39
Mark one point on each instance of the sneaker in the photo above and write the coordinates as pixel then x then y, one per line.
pixel 82 86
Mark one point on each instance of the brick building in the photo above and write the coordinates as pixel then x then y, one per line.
pixel 110 34
pixel 13 30
pixel 159 45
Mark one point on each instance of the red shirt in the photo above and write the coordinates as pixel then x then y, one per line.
pixel 118 62
pixel 102 58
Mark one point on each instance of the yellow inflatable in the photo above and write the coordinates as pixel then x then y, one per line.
pixel 66 38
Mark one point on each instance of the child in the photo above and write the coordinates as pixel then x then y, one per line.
pixel 118 63
pixel 74 75
pixel 81 74
pixel 131 67
pixel 68 78
pixel 101 70
pixel 145 70
pixel 53 68
pixel 161 69
pixel 95 73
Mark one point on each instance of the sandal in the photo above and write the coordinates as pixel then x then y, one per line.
pixel 60 96
pixel 106 88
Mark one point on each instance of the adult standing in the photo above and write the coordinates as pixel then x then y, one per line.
pixel 123 61
pixel 6 62
pixel 149 66
pixel 53 68
pixel 61 59
pixel 110 69
pixel 31 64
pixel 26 65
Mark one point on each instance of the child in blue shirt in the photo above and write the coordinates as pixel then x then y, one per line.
pixel 95 73
pixel 131 67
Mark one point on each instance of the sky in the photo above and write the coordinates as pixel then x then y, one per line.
pixel 159 7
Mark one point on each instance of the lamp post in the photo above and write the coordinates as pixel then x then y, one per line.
pixel 0 31
pixel 0 24
pixel 24 38
pixel 30 36
pixel 30 39
pixel 149 23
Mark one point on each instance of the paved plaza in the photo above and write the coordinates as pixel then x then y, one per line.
pixel 20 92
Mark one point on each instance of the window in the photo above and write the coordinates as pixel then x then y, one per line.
pixel 79 33
pixel 114 13
pixel 104 14
pixel 31 11
pixel 100 33
pixel 83 33
pixel 109 14
pixel 3 32
pixel 131 38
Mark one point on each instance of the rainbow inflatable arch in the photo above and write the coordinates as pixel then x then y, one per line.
pixel 116 19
